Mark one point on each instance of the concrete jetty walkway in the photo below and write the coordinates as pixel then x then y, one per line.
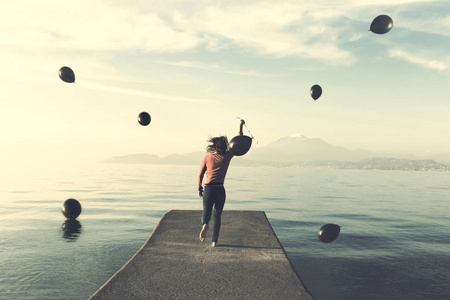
pixel 248 263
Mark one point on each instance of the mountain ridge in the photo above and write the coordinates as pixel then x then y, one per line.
pixel 289 150
pixel 301 148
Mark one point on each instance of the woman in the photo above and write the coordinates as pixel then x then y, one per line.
pixel 215 164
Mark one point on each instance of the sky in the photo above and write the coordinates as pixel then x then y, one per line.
pixel 196 66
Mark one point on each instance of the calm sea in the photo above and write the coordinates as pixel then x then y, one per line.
pixel 394 241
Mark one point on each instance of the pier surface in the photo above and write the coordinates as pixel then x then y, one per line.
pixel 248 262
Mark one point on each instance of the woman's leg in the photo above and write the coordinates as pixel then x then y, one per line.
pixel 219 202
pixel 208 201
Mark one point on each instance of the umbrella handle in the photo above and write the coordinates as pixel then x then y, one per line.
pixel 241 132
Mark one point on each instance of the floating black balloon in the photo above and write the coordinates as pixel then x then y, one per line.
pixel 66 74
pixel 144 118
pixel 316 92
pixel 239 145
pixel 329 232
pixel 71 208
pixel 381 24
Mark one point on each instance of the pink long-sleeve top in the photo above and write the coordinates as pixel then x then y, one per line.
pixel 215 166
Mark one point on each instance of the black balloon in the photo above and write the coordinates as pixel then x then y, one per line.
pixel 329 232
pixel 144 118
pixel 66 74
pixel 381 24
pixel 316 91
pixel 71 208
pixel 239 145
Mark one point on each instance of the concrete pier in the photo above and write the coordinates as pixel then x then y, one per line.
pixel 248 262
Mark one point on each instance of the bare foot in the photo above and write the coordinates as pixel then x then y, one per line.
pixel 203 232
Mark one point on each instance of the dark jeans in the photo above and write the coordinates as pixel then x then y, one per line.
pixel 213 196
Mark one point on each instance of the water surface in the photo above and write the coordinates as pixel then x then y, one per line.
pixel 393 244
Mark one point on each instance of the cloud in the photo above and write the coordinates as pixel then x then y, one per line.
pixel 419 60
pixel 90 26
pixel 144 94
pixel 220 68
pixel 306 30
pixel 267 28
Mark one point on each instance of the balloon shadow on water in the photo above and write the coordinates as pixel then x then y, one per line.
pixel 71 229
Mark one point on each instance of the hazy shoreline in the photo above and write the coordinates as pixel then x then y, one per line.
pixel 375 163
pixel 300 151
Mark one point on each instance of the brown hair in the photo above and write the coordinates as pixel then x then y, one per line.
pixel 219 145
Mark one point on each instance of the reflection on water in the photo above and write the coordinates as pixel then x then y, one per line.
pixel 71 229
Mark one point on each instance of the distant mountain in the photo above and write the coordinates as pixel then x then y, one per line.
pixel 298 151
pixel 442 157
pixel 300 148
